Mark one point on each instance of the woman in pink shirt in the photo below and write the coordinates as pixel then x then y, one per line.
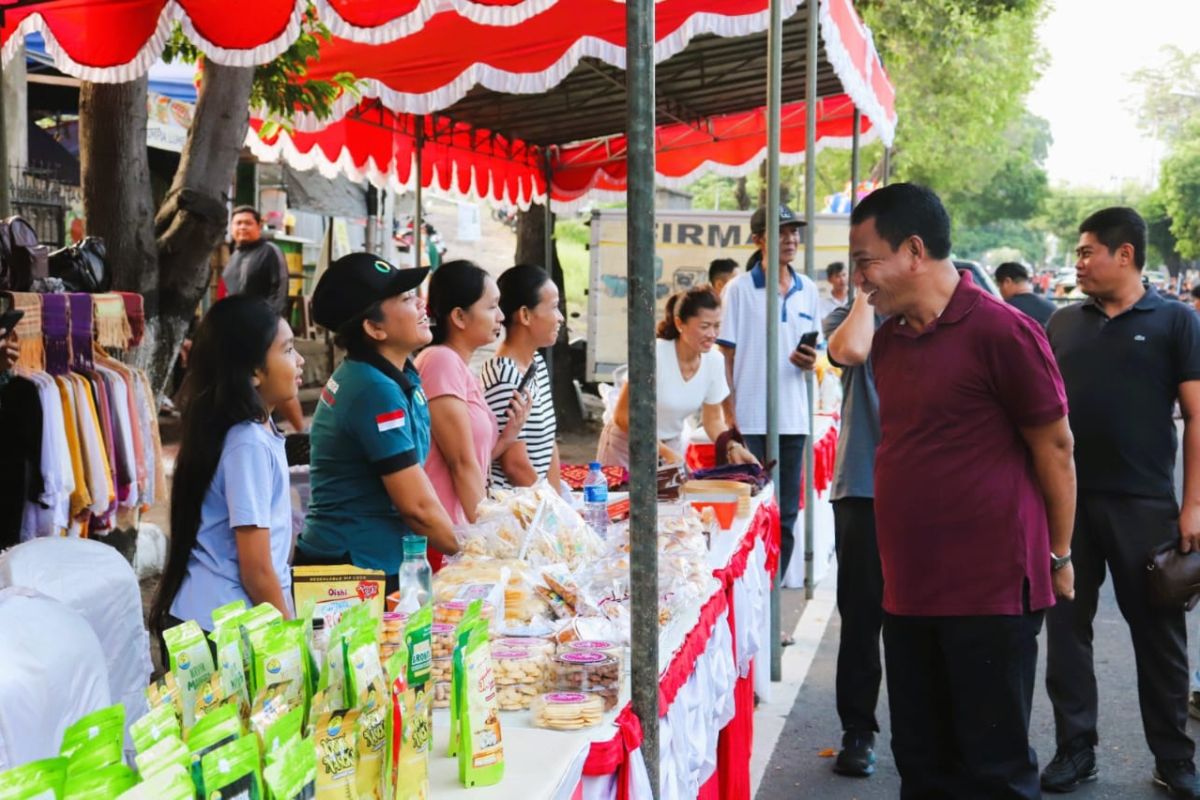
pixel 464 306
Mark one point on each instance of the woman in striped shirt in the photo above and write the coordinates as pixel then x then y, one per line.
pixel 529 301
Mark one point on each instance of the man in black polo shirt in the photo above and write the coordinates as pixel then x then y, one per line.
pixel 1012 279
pixel 1126 356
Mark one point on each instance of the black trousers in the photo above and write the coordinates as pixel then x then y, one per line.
pixel 791 464
pixel 860 604
pixel 960 691
pixel 1118 532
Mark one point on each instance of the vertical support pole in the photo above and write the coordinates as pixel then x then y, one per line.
pixel 810 255
pixel 548 265
pixel 854 167
pixel 418 211
pixel 5 204
pixel 643 434
pixel 771 269
pixel 548 257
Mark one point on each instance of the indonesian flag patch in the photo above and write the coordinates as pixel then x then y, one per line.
pixel 390 421
pixel 329 392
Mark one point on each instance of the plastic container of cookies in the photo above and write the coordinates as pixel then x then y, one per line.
pixel 612 649
pixel 441 670
pixel 451 612
pixel 441 694
pixel 441 638
pixel 567 711
pixel 535 644
pixel 578 671
pixel 520 677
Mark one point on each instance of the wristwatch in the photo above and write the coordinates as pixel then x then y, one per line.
pixel 1058 562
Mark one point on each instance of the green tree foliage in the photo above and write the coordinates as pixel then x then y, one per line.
pixel 1180 186
pixel 1169 98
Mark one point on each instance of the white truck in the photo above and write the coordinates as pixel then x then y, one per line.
pixel 686 243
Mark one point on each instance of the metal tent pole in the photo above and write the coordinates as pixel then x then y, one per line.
pixel 771 268
pixel 810 255
pixel 643 434
pixel 418 211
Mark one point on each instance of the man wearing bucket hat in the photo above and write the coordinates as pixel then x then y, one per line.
pixel 370 432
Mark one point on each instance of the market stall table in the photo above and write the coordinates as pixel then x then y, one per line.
pixel 707 659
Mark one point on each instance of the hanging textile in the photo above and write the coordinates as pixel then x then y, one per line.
pixel 112 326
pixel 29 329
pixel 56 333
pixel 81 330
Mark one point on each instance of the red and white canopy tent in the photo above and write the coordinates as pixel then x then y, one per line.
pixel 523 81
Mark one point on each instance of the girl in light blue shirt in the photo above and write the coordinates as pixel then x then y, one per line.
pixel 231 523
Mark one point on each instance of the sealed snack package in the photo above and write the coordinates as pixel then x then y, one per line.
pixel 165 693
pixel 293 773
pixel 209 697
pixel 106 725
pixel 99 784
pixel 156 724
pixel 337 755
pixel 36 780
pixel 269 707
pixel 192 664
pixel 280 732
pixel 218 728
pixel 369 688
pixel 227 612
pixel 170 751
pixel 336 589
pixel 172 783
pixel 411 720
pixel 232 771
pixel 231 663
pixel 461 633
pixel 94 754
pixel 280 657
pixel 480 748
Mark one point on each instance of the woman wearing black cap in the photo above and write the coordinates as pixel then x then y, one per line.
pixel 370 432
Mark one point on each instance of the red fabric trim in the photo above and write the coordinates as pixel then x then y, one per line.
pixel 605 758
pixel 701 456
pixel 683 664
pixel 736 742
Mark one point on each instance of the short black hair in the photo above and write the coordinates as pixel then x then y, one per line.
pixel 1196 291
pixel 1013 271
pixel 834 268
pixel 901 210
pixel 247 210
pixel 1118 225
pixel 719 267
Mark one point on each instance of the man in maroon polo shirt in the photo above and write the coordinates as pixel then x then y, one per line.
pixel 974 502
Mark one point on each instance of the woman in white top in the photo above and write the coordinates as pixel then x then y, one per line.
pixel 691 378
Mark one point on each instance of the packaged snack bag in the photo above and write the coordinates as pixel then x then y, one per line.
pixel 276 735
pixel 293 774
pixel 337 755
pixel 232 771
pixel 473 613
pixel 191 662
pixel 280 658
pixel 156 724
pixel 335 589
pixel 367 684
pixel 209 697
pixel 99 784
pixel 94 754
pixel 408 760
pixel 231 664
pixel 106 725
pixel 172 783
pixel 167 752
pixel 36 780
pixel 165 693
pixel 218 728
pixel 227 612
pixel 480 749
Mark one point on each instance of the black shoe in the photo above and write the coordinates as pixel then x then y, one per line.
pixel 1074 764
pixel 1177 776
pixel 857 757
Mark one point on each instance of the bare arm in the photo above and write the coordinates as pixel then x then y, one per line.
pixel 621 412
pixel 1189 514
pixel 712 418
pixel 729 403
pixel 1052 448
pixel 518 412
pixel 450 425
pixel 516 465
pixel 256 569
pixel 554 476
pixel 412 494
pixel 850 344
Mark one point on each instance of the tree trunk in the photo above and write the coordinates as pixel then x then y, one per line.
pixel 531 249
pixel 742 195
pixel 163 256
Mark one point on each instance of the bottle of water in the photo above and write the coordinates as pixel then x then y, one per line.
pixel 595 499
pixel 416 577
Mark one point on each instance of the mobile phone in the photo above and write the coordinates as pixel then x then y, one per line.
pixel 9 320
pixel 807 340
pixel 529 373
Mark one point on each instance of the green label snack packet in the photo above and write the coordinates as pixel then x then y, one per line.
pixel 276 736
pixel 218 728
pixel 191 662
pixel 171 783
pixel 227 612
pixel 154 726
pixel 465 625
pixel 164 754
pixel 94 754
pixel 280 657
pixel 480 748
pixel 337 756
pixel 99 784
pixel 253 624
pixel 165 693
pixel 369 687
pixel 107 724
pixel 411 723
pixel 232 771
pixel 36 780
pixel 231 664
pixel 293 774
